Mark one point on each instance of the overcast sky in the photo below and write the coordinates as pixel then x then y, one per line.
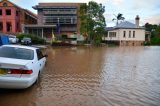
pixel 148 10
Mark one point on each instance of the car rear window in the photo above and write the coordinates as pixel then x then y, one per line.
pixel 16 53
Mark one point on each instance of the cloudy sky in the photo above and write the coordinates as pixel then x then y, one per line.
pixel 148 10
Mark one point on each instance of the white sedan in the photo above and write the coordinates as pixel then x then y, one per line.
pixel 20 66
pixel 13 39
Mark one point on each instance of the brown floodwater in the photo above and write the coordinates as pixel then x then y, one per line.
pixel 86 76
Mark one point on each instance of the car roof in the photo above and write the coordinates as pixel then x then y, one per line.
pixel 21 46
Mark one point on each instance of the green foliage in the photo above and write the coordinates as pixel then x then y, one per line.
pixel 155 41
pixel 150 27
pixel 92 20
pixel 155 33
pixel 64 37
pixel 97 40
pixel 118 18
pixel 154 29
pixel 35 39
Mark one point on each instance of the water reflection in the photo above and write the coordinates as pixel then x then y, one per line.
pixel 117 76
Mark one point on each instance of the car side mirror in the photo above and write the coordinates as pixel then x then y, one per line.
pixel 45 55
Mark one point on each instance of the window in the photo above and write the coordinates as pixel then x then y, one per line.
pixel 0 11
pixel 26 17
pixel 16 53
pixel 39 54
pixel 8 12
pixel 129 34
pixel 9 26
pixel 17 26
pixel 124 34
pixel 133 34
pixel 5 4
pixel 17 13
pixel 112 34
pixel 1 26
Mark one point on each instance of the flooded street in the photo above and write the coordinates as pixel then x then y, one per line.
pixel 104 76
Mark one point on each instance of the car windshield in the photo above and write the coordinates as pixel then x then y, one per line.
pixel 16 53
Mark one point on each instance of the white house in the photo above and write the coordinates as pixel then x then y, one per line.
pixel 126 33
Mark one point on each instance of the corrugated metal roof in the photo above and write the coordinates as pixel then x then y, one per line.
pixel 127 25
pixel 124 25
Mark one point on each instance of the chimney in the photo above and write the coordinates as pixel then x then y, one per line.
pixel 137 21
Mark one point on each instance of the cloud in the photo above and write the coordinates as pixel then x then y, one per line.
pixel 152 20
pixel 81 1
pixel 143 4
pixel 117 2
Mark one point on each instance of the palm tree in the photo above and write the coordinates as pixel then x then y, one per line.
pixel 118 18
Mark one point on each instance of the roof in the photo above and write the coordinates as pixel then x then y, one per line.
pixel 30 13
pixel 127 25
pixel 21 46
pixel 109 28
pixel 11 3
pixel 25 10
pixel 56 5
pixel 124 25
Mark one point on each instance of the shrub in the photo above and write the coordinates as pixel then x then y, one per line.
pixel 155 41
pixel 35 39
pixel 97 40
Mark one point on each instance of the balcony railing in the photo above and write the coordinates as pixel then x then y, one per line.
pixel 60 12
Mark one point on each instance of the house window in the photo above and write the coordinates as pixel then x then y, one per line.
pixel 5 4
pixel 1 26
pixel 112 34
pixel 17 13
pixel 124 34
pixel 17 26
pixel 9 26
pixel 129 34
pixel 26 17
pixel 8 12
pixel 133 34
pixel 0 11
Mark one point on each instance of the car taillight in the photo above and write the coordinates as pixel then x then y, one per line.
pixel 19 71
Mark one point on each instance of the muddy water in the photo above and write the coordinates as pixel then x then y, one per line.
pixel 116 76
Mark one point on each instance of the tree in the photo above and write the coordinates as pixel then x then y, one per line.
pixel 152 28
pixel 92 20
pixel 155 33
pixel 118 18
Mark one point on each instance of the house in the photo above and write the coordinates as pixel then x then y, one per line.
pixel 126 34
pixel 55 18
pixel 12 17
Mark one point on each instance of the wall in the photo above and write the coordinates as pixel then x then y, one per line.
pixel 139 34
pixel 127 41
pixel 15 20
pixel 57 5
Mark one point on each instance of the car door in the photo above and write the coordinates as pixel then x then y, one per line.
pixel 41 59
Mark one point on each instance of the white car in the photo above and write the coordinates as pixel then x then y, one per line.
pixel 13 39
pixel 20 66
pixel 26 41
